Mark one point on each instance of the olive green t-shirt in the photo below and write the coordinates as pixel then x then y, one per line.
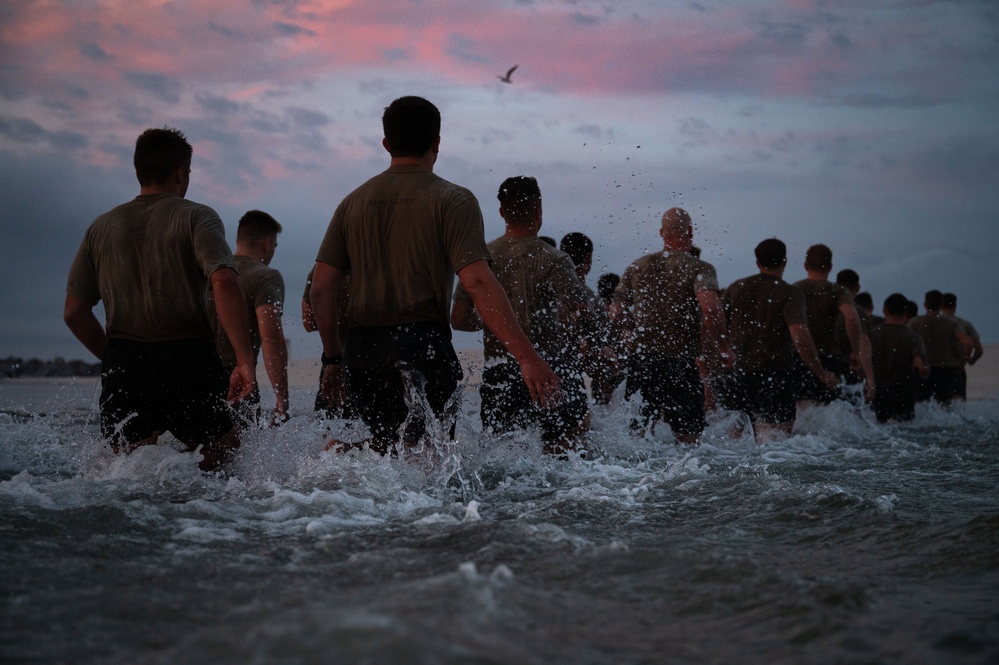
pixel 759 310
pixel 541 284
pixel 660 291
pixel 893 347
pixel 261 285
pixel 150 261
pixel 939 335
pixel 401 237
pixel 822 302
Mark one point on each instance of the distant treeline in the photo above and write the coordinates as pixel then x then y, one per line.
pixel 11 367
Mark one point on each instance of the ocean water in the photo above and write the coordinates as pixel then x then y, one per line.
pixel 848 542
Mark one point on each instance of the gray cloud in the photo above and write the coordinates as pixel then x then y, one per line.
pixel 24 130
pixel 161 85
pixel 292 30
pixel 95 52
pixel 307 118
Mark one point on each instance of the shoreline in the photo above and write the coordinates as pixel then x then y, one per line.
pixel 303 374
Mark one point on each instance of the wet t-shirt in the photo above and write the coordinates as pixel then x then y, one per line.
pixel 822 302
pixel 149 261
pixel 660 292
pixel 759 310
pixel 893 347
pixel 401 237
pixel 261 285
pixel 939 335
pixel 542 285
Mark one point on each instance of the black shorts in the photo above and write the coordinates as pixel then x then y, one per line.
pixel 507 404
pixel 765 395
pixel 379 360
pixel 808 385
pixel 895 403
pixel 671 389
pixel 175 386
pixel 942 385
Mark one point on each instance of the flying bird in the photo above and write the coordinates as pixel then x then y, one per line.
pixel 506 79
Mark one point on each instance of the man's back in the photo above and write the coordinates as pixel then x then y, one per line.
pixel 939 337
pixel 893 346
pixel 539 280
pixel 149 261
pixel 660 289
pixel 822 302
pixel 261 285
pixel 401 237
pixel 760 308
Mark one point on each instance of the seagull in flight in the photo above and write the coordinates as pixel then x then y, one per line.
pixel 506 79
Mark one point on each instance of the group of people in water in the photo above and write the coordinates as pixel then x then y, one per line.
pixel 186 319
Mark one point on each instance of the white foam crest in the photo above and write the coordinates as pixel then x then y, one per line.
pixel 21 489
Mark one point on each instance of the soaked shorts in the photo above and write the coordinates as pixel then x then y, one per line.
pixel 767 396
pixel 671 390
pixel 507 404
pixel 175 386
pixel 808 385
pixel 942 385
pixel 375 359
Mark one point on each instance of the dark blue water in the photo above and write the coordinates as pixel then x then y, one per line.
pixel 846 543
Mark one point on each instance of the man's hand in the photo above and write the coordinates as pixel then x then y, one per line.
pixel 869 390
pixel 541 381
pixel 829 380
pixel 242 381
pixel 333 386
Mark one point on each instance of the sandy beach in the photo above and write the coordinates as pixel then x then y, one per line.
pixel 983 377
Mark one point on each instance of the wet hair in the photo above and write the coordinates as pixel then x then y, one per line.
pixel 257 224
pixel 411 125
pixel 818 257
pixel 578 246
pixel 911 309
pixel 848 278
pixel 549 240
pixel 864 299
pixel 606 285
pixel 933 299
pixel 949 301
pixel 896 304
pixel 771 253
pixel 160 152
pixel 519 196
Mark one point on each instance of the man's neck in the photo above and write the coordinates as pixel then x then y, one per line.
pixel 426 161
pixel 772 272
pixel 160 188
pixel 676 245
pixel 817 275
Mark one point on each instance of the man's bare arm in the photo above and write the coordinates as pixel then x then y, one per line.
pixel 274 350
pixel 713 322
pixel 81 320
pixel 493 306
pixel 327 283
pixel 805 346
pixel 231 308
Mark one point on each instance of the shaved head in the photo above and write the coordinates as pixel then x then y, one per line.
pixel 677 230
pixel 676 219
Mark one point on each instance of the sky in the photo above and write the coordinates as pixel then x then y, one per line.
pixel 867 125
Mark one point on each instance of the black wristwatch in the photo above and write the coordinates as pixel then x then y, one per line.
pixel 335 360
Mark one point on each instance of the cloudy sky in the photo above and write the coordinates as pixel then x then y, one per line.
pixel 870 125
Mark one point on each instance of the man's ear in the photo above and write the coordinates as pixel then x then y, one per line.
pixel 385 145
